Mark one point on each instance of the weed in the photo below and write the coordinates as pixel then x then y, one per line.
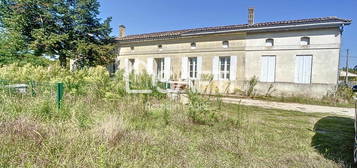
pixel 240 116
pixel 45 110
pixel 199 110
pixel 166 115
pixel 251 86
pixel 108 128
pixel 270 90
pixel 343 94
pixel 219 101
pixel 102 159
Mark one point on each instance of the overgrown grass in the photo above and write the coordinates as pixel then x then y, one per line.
pixel 100 125
pixel 141 131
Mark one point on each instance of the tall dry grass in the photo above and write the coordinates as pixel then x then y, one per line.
pixel 92 129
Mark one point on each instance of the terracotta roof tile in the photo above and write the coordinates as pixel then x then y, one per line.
pixel 179 33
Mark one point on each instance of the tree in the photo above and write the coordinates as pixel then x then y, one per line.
pixel 12 42
pixel 92 39
pixel 66 28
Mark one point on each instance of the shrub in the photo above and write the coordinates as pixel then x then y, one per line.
pixel 142 81
pixel 87 81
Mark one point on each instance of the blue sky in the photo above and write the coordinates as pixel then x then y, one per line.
pixel 145 16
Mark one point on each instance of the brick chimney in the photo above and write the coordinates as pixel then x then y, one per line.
pixel 121 31
pixel 251 16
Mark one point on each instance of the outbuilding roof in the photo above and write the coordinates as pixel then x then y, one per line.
pixel 265 26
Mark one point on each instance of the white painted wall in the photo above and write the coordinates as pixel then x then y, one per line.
pixel 324 49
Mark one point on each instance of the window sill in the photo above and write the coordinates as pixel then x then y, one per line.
pixel 303 83
pixel 267 82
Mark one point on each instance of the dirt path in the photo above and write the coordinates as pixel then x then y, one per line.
pixel 292 106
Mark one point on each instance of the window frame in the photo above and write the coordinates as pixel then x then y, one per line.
pixel 269 41
pixel 225 44
pixel 308 41
pixel 160 68
pixel 192 70
pixel 193 45
pixel 226 72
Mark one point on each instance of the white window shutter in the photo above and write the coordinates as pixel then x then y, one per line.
pixel 126 64
pixel 136 67
pixel 298 68
pixel 184 68
pixel 199 67
pixel 149 66
pixel 167 68
pixel 268 68
pixel 271 69
pixel 264 69
pixel 233 68
pixel 215 67
pixel 307 69
pixel 303 69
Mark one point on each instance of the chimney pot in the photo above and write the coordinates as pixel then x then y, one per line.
pixel 122 31
pixel 251 16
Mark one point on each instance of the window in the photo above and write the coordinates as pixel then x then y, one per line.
pixel 305 41
pixel 303 69
pixel 193 45
pixel 160 47
pixel 160 68
pixel 224 69
pixel 225 44
pixel 267 69
pixel 131 65
pixel 192 67
pixel 132 48
pixel 269 42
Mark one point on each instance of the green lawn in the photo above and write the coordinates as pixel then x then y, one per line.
pixel 140 132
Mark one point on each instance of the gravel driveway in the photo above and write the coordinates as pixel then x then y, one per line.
pixel 292 106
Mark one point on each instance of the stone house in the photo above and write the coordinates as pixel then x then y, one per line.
pixel 296 57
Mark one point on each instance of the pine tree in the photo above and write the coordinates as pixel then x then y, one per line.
pixel 66 28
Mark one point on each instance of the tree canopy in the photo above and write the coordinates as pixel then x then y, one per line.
pixel 63 28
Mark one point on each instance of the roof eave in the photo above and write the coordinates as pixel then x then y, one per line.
pixel 258 29
pixel 275 28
